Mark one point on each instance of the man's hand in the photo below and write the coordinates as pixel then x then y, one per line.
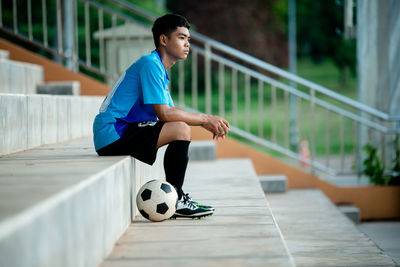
pixel 218 126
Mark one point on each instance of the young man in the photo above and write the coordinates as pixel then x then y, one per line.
pixel 137 117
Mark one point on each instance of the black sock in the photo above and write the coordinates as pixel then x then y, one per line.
pixel 175 162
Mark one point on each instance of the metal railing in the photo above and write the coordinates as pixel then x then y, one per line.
pixel 216 79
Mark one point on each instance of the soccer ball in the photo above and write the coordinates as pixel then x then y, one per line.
pixel 156 200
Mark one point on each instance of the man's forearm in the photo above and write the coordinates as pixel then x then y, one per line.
pixel 175 114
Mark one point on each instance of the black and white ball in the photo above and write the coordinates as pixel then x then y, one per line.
pixel 156 200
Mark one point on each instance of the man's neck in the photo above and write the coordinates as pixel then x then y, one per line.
pixel 167 60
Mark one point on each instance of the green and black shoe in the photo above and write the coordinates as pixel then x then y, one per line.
pixel 198 204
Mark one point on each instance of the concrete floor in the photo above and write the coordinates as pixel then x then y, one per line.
pixel 386 235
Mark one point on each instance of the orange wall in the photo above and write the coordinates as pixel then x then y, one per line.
pixel 54 71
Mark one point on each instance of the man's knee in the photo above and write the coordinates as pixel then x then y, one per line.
pixel 183 131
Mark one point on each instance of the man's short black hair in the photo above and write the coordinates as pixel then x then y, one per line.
pixel 167 24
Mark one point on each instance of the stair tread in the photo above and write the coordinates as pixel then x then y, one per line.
pixel 241 231
pixel 40 173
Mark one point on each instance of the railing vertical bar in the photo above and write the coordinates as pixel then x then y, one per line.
pixel 260 108
pixel 44 21
pixel 127 39
pixel 75 43
pixel 299 117
pixel 59 28
pixel 327 137
pixel 234 97
pixel 341 143
pixel 208 78
pixel 221 89
pixel 312 107
pixel 355 143
pixel 181 82
pixel 15 24
pixel 30 20
pixel 194 81
pixel 1 14
pixel 114 41
pixel 101 39
pixel 247 102
pixel 274 113
pixel 87 34
pixel 287 124
pixel 383 150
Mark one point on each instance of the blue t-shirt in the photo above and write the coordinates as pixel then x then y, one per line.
pixel 130 99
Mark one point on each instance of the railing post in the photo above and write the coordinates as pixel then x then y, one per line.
pixel 69 33
pixel 274 113
pixel 87 34
pixel 341 127
pixel 1 14
pixel 327 137
pixel 30 20
pixel 181 81
pixel 234 98
pixel 312 107
pixel 260 109
pixel 60 49
pixel 194 80
pixel 208 78
pixel 247 102
pixel 15 23
pixel 221 89
pixel 101 39
pixel 44 21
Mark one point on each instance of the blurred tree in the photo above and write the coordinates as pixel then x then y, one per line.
pixel 254 26
pixel 319 34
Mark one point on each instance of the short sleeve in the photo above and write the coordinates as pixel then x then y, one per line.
pixel 152 81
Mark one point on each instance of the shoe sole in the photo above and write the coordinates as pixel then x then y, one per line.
pixel 175 216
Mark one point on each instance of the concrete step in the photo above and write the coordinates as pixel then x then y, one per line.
pixel 351 211
pixel 273 183
pixel 19 77
pixel 242 231
pixel 318 234
pixel 62 205
pixel 202 150
pixel 59 88
pixel 28 121
pixel 4 54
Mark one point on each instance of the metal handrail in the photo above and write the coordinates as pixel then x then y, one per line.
pixel 266 66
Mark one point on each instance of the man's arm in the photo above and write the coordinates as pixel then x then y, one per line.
pixel 216 125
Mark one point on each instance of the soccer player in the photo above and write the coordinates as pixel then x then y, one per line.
pixel 138 115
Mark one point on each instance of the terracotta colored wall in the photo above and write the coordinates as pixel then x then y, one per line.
pixel 54 71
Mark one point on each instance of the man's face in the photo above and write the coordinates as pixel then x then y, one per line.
pixel 177 45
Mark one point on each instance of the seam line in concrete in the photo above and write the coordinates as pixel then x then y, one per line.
pixel 282 237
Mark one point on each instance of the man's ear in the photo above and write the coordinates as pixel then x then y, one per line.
pixel 163 40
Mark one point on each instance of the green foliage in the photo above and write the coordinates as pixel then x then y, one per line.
pixel 374 168
pixel 324 37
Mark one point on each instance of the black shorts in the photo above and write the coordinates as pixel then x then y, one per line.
pixel 139 141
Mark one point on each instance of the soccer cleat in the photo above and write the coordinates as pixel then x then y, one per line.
pixel 198 204
pixel 186 209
